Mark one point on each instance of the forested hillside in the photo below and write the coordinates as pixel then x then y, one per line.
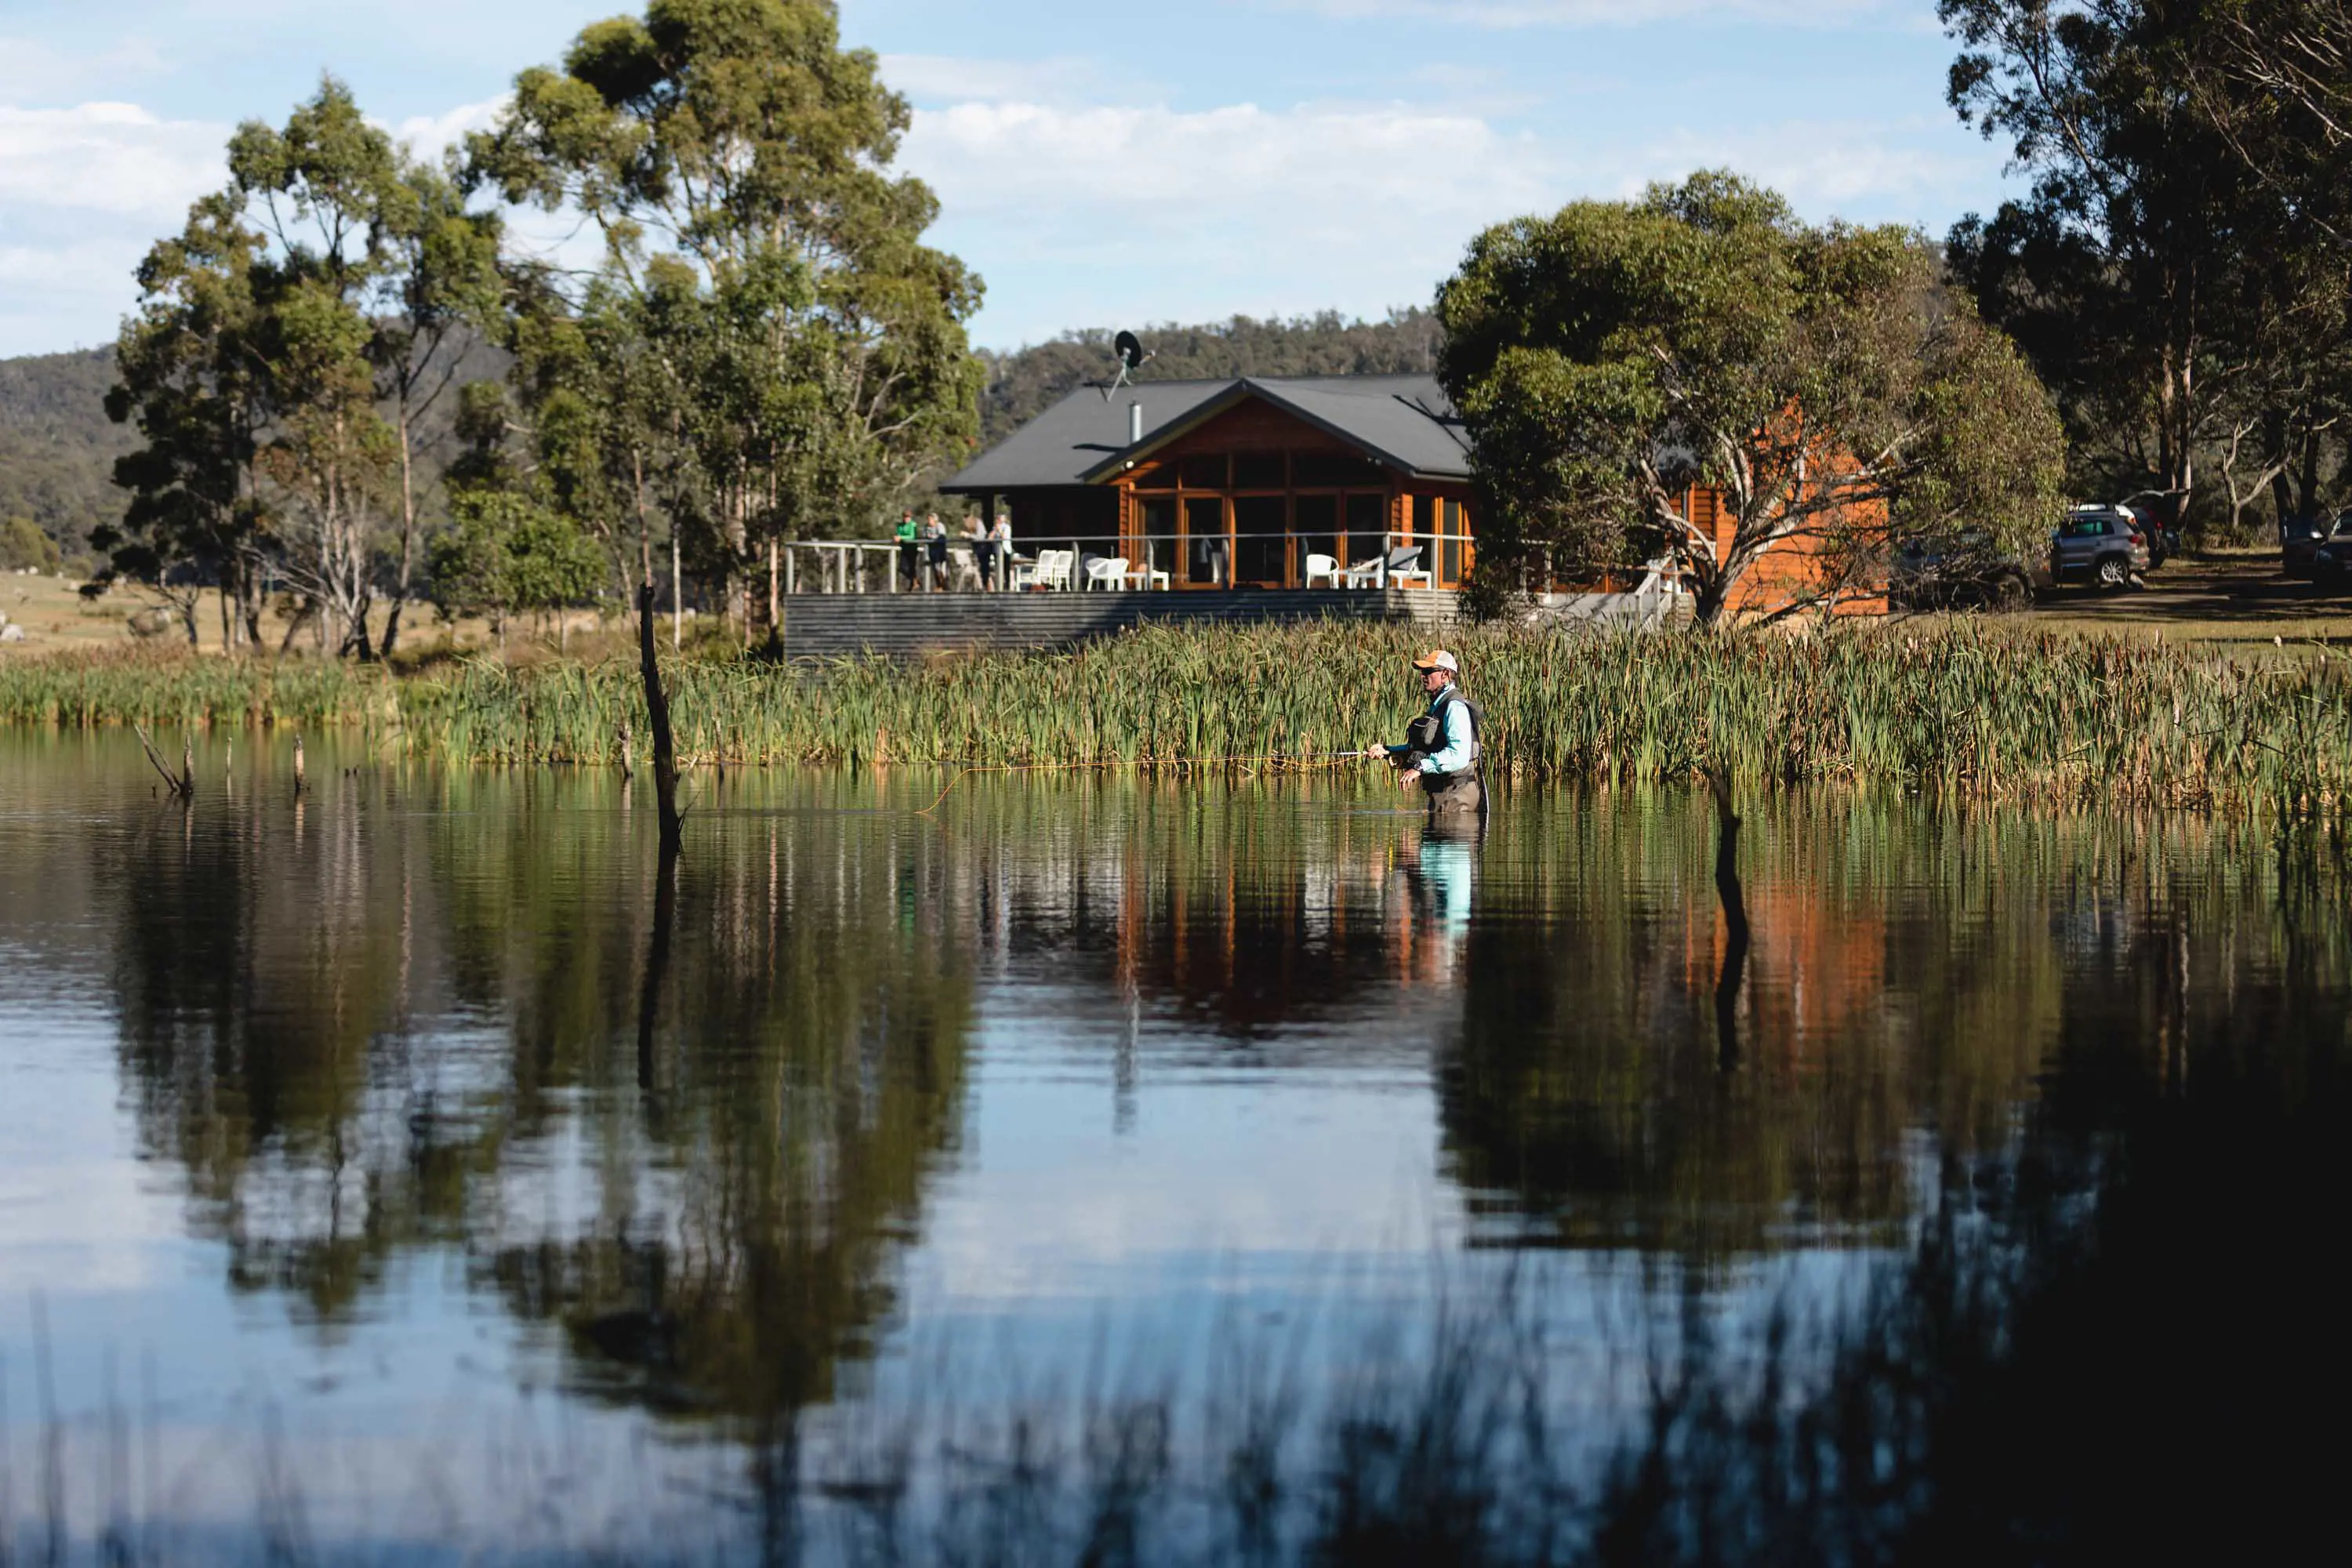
pixel 56 446
pixel 1024 383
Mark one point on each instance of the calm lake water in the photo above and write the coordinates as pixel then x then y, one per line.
pixel 404 1165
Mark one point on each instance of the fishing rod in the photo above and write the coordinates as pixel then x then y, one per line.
pixel 1292 757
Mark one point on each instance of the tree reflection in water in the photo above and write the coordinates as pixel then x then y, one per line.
pixel 684 1119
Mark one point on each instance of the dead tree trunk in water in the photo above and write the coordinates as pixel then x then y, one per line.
pixel 1734 924
pixel 183 785
pixel 657 720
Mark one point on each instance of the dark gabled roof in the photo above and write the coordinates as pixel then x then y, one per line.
pixel 1403 421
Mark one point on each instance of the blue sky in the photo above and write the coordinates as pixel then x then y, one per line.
pixel 1098 164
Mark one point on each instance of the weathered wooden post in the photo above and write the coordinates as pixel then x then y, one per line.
pixel 658 718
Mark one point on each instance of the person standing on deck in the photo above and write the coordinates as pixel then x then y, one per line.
pixel 1441 751
pixel 936 534
pixel 909 548
pixel 1000 540
pixel 984 553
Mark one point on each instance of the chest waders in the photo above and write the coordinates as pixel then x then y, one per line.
pixel 1461 792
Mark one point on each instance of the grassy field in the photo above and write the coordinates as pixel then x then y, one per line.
pixel 57 620
pixel 1970 708
pixel 2232 599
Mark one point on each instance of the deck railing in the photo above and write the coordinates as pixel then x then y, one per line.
pixel 1079 563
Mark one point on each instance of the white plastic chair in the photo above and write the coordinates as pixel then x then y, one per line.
pixel 1327 567
pixel 1055 567
pixel 1106 572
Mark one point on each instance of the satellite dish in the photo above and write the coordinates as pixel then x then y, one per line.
pixel 1131 358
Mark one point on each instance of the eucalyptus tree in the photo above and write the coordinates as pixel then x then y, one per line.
pixel 438 291
pixel 808 347
pixel 505 554
pixel 1614 358
pixel 288 344
pixel 188 364
pixel 2154 283
pixel 315 190
pixel 2274 80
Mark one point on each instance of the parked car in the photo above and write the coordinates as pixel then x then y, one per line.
pixel 2331 562
pixel 2300 539
pixel 1970 571
pixel 2163 537
pixel 2105 546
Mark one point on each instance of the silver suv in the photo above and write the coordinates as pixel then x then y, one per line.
pixel 2103 545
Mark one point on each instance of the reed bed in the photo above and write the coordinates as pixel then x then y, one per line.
pixel 1956 708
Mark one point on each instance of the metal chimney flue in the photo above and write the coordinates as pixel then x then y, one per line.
pixel 1134 422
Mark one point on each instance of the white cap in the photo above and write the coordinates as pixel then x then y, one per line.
pixel 1438 659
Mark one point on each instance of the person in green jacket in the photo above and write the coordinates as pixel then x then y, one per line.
pixel 909 537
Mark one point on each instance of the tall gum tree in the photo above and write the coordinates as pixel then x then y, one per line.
pixel 810 346
pixel 287 342
pixel 440 290
pixel 1610 358
pixel 189 377
pixel 2124 269
pixel 313 188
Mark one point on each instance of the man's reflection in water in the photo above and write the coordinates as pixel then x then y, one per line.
pixel 1439 882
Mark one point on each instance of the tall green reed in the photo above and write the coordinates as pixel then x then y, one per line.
pixel 1956 708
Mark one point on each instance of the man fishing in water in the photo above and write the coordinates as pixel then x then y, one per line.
pixel 1441 748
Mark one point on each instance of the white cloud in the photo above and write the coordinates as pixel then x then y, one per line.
pixel 1614 12
pixel 113 158
pixel 1352 171
pixel 427 136
pixel 1839 168
pixel 1089 214
pixel 944 78
pixel 84 192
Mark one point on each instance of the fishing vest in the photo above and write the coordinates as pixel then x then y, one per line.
pixel 1426 734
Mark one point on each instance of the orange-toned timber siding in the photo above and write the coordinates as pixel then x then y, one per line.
pixel 1789 571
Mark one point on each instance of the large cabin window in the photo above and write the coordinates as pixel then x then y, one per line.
pixel 1368 522
pixel 1261 553
pixel 1317 527
pixel 1453 553
pixel 1159 533
pixel 1205 543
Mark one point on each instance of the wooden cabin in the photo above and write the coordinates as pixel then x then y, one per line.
pixel 1236 483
